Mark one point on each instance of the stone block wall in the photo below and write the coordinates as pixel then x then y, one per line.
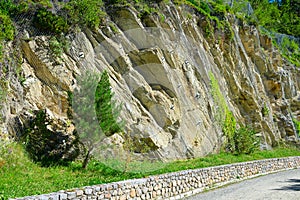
pixel 176 185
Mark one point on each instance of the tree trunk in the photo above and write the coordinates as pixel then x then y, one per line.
pixel 86 159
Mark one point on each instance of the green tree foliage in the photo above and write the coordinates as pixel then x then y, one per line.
pixel 56 46
pixel 200 5
pixel 89 131
pixel 229 128
pixel 297 126
pixel 46 147
pixel 93 99
pixel 47 21
pixel 7 7
pixel 85 12
pixel 7 29
pixel 238 141
pixel 245 140
pixel 106 108
pixel 281 17
pixel 218 99
pixel 290 50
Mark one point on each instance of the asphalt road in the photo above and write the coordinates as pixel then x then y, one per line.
pixel 282 185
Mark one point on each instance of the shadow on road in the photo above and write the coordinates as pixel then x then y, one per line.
pixel 294 186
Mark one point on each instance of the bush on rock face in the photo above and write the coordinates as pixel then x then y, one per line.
pixel 85 12
pixel 47 21
pixel 6 27
pixel 50 141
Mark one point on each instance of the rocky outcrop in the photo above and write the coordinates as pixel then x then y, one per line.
pixel 159 70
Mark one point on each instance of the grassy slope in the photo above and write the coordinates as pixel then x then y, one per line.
pixel 20 177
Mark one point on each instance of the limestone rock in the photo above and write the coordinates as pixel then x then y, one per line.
pixel 161 75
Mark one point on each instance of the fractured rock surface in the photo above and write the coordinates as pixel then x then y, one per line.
pixel 161 75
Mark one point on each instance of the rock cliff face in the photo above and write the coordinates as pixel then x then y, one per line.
pixel 161 71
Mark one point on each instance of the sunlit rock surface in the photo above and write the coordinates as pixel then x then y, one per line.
pixel 159 70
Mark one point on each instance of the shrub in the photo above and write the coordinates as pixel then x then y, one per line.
pixel 229 128
pixel 6 26
pixel 239 141
pixel 7 6
pixel 47 146
pixel 85 12
pixel 265 111
pixel 201 6
pixel 290 50
pixel 220 10
pixel 47 21
pixel 56 47
pixel 297 126
pixel 204 6
pixel 221 106
pixel 245 140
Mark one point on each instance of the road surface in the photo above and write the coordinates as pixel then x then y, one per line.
pixel 282 185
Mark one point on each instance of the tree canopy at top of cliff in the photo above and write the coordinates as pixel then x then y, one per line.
pixel 281 16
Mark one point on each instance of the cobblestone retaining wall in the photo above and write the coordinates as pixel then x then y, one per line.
pixel 175 185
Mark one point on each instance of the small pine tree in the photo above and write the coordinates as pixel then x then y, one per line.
pixel 93 99
pixel 106 109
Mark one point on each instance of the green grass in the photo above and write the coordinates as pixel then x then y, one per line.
pixel 21 177
pixel 225 158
